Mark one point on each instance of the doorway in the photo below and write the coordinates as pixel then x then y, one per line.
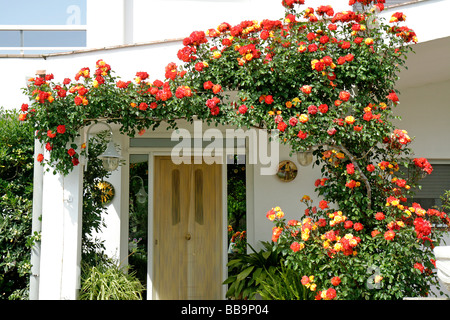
pixel 187 230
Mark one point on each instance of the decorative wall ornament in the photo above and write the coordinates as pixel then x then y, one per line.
pixel 287 171
pixel 107 192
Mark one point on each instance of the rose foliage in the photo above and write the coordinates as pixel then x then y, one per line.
pixel 325 80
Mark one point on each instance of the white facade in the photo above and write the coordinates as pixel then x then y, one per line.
pixel 144 35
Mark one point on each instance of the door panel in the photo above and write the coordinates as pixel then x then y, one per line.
pixel 187 229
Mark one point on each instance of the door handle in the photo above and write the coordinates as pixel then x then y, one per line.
pixel 187 236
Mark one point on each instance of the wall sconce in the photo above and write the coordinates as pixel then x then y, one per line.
pixel 110 157
pixel 141 195
pixel 305 158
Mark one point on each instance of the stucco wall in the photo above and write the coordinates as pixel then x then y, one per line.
pixel 425 114
pixel 268 192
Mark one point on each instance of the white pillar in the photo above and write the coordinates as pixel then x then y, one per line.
pixel 61 235
pixel 36 222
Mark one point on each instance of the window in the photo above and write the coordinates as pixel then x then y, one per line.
pixel 29 26
pixel 433 186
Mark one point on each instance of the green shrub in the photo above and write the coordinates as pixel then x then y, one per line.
pixel 16 194
pixel 246 271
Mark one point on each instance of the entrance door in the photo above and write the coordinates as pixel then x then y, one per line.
pixel 187 230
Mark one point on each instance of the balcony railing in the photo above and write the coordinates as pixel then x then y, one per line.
pixel 24 39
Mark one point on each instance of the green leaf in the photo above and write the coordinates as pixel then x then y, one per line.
pixel 244 274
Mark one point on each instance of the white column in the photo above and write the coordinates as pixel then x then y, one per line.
pixel 36 222
pixel 61 235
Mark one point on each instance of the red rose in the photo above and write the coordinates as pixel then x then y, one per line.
pixel 319 66
pixel 345 45
pixel 293 121
pixel 335 281
pixel 306 89
pixel 302 135
pixel 207 85
pixel 341 60
pixel 323 108
pixel 358 226
pixel 143 106
pixel 268 99
pixel 62 93
pixel 50 134
pixel 61 129
pixel 389 235
pixel 323 204
pixel 78 100
pixel 311 36
pixel 243 109
pixel 358 40
pixel 312 109
pixel 75 161
pixel 264 35
pixel 40 157
pixel 419 267
pixel 367 116
pixel 24 107
pixel 122 84
pixel 142 75
pixel 71 152
pixel 331 131
pixel 282 126
pixel 216 88
pixel 379 216
pixel 199 66
pixel 312 47
pixel 276 232
pixel 348 224
pixel 215 111
pixel 351 184
pixel 82 91
pixel 392 96
pixel 330 294
pixel 344 95
pixel 295 246
pixel 324 39
pixel 350 168
pixel 332 27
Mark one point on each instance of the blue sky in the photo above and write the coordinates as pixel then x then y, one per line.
pixel 42 12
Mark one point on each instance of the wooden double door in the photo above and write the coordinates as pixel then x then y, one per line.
pixel 187 231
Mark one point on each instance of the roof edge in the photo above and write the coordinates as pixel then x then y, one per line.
pixel 88 50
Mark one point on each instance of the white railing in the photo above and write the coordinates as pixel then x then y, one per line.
pixel 23 28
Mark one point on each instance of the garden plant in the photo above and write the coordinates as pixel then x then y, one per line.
pixel 325 81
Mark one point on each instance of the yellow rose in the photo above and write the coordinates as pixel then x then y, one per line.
pixel 303 118
pixel 337 246
pixel 368 41
pixel 349 119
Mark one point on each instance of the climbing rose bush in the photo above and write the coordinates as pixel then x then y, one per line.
pixel 325 81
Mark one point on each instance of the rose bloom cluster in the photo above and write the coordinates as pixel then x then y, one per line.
pixel 336 233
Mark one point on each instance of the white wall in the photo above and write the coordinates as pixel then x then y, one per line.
pixel 269 192
pixel 427 18
pixel 425 115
